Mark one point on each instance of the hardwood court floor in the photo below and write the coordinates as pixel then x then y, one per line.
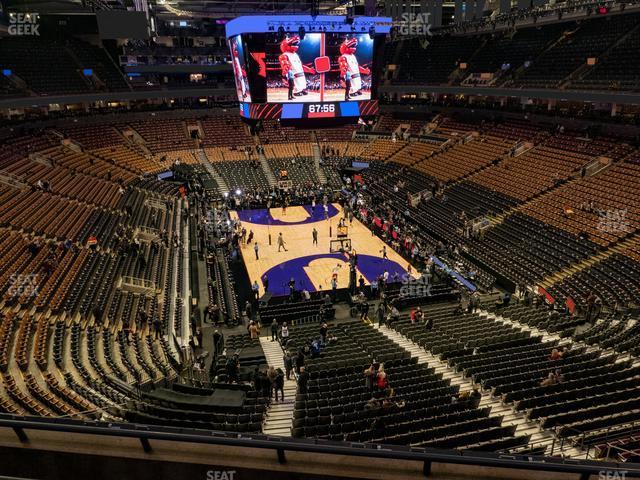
pixel 312 266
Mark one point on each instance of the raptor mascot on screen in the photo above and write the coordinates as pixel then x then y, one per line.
pixel 349 63
pixel 239 73
pixel 290 62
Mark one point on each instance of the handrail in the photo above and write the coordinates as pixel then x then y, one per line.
pixel 145 433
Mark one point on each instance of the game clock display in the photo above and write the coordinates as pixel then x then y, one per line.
pixel 264 111
pixel 304 67
pixel 321 110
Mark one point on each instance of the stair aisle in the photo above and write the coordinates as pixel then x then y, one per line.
pixel 317 157
pixel 510 417
pixel 204 160
pixel 280 414
pixel 266 168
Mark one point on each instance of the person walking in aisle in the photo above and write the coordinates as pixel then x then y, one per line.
pixel 284 333
pixel 278 384
pixel 288 364
pixel 271 375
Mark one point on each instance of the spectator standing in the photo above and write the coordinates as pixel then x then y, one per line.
pixel 370 377
pixel 303 381
pixel 300 361
pixel 279 384
pixel 288 363
pixel 323 332
pixel 253 330
pixel 381 379
pixel 271 375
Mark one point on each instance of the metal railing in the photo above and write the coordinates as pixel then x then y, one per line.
pixel 146 433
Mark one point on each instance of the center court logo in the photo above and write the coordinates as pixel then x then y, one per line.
pixel 24 24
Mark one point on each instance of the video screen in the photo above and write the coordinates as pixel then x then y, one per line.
pixel 321 67
pixel 311 68
pixel 239 64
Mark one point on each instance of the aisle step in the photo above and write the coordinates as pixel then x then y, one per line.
pixel 279 414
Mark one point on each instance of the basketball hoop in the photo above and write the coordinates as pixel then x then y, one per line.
pixel 340 245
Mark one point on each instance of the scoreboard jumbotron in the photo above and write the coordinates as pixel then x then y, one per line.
pixel 304 67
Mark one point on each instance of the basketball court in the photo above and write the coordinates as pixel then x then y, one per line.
pixel 311 266
pixel 281 95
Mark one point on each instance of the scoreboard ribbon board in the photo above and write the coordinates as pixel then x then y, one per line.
pixel 265 111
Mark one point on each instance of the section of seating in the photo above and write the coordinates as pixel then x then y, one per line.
pixel 463 158
pixel 437 62
pixel 243 174
pixel 560 386
pixel 391 123
pixel 618 69
pixel 416 152
pixel 524 249
pixel 382 149
pixel 531 173
pixel 332 135
pixel 19 147
pixel 221 154
pixel 161 135
pixel 93 137
pixel 95 58
pixel 603 208
pixel 288 150
pixel 415 409
pixel 88 164
pixel 589 39
pixel 131 159
pixel 224 130
pixel 300 170
pixel 297 312
pixel 613 280
pixel 539 317
pixel 29 58
pixel 343 149
pixel 272 131
pixel 505 52
pixel 619 335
